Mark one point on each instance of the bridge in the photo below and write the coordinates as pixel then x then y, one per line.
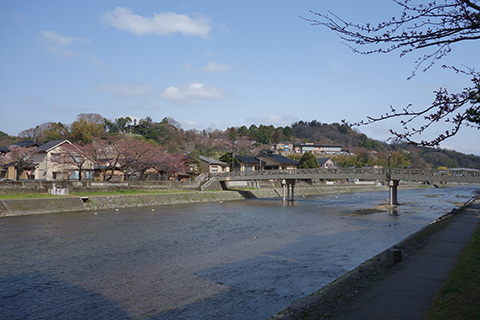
pixel 392 176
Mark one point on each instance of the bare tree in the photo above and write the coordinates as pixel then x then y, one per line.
pixel 432 27
pixel 45 132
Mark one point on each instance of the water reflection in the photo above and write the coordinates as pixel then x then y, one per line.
pixel 394 211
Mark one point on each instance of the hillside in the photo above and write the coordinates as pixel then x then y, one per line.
pixel 370 152
pixel 169 135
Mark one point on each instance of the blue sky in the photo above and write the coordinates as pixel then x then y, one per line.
pixel 207 64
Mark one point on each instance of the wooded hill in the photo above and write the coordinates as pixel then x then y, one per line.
pixel 247 140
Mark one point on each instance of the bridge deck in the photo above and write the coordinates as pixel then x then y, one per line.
pixel 465 176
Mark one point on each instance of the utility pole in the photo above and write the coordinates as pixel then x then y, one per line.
pixel 389 176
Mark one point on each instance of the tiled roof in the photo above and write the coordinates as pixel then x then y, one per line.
pixel 322 161
pixel 213 161
pixel 280 159
pixel 50 144
pixel 248 159
pixel 23 144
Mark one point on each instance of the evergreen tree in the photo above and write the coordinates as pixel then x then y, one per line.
pixel 308 161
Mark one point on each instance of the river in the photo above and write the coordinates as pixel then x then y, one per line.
pixel 232 260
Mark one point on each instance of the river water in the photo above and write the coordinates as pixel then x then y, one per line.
pixel 233 260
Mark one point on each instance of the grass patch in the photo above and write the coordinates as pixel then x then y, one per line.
pixel 460 296
pixel 26 196
pixel 124 192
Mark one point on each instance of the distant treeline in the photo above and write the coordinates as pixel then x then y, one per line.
pixel 169 134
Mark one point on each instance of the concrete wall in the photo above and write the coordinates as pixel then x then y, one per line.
pixel 17 207
pixel 144 200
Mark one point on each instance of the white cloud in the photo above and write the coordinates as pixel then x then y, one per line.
pixel 187 66
pixel 277 120
pixel 124 90
pixel 60 44
pixel 56 42
pixel 161 23
pixel 192 93
pixel 93 59
pixel 56 39
pixel 216 68
pixel 190 123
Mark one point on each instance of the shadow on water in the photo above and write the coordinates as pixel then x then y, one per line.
pixel 39 296
pixel 259 287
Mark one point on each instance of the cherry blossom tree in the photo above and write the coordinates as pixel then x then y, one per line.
pixel 171 164
pixel 137 156
pixel 107 154
pixel 74 157
pixel 21 158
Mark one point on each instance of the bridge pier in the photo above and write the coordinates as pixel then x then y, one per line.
pixel 288 187
pixel 393 190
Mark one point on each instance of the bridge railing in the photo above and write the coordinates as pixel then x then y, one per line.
pixel 302 172
pixel 356 173
pixel 436 175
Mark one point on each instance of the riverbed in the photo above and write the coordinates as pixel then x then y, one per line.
pixel 244 259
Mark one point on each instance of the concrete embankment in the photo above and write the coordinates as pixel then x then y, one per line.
pixel 143 200
pixel 16 207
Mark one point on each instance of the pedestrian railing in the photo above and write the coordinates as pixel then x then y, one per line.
pixel 468 176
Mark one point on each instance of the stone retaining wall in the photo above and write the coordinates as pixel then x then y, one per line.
pixel 144 200
pixel 18 207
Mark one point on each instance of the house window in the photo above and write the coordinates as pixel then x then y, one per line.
pixel 76 159
pixel 214 169
pixel 74 175
pixel 89 175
